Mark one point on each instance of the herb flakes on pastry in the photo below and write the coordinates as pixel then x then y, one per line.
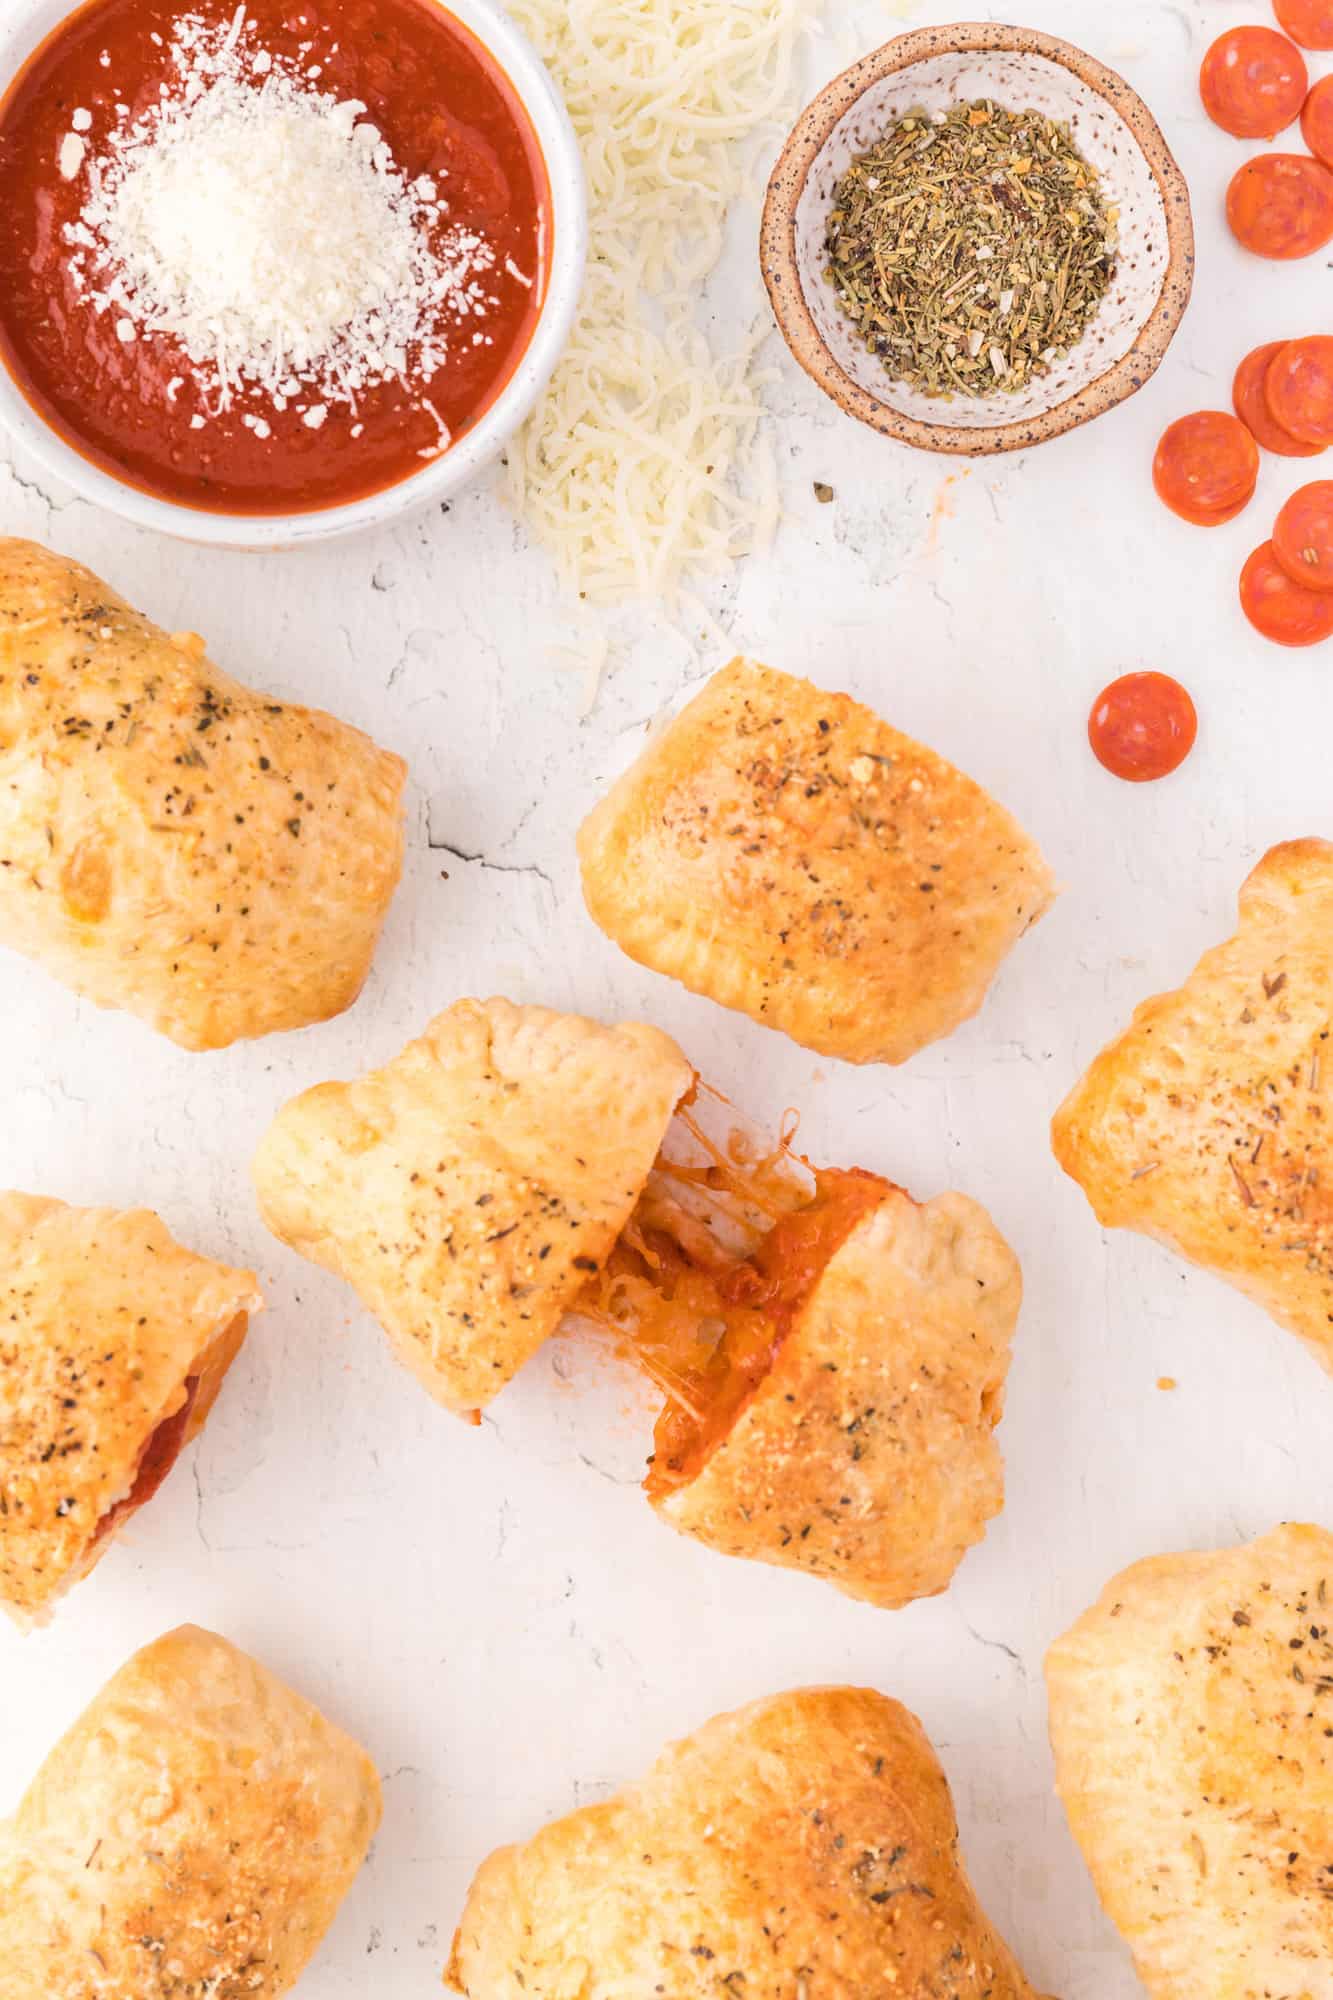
pixel 114 1342
pixel 832 1354
pixel 211 860
pixel 193 1835
pixel 1208 1123
pixel 806 1845
pixel 1192 1722
pixel 469 1188
pixel 783 851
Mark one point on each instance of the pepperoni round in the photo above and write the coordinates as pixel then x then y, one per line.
pixel 1253 83
pixel 1250 397
pixel 1206 468
pixel 1317 121
pixel 1281 609
pixel 1142 727
pixel 1309 22
pixel 1281 205
pixel 1303 537
pixel 1300 388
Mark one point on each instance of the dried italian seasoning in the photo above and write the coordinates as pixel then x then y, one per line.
pixel 971 248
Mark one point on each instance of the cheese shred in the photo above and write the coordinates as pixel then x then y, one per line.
pixel 263 226
pixel 645 463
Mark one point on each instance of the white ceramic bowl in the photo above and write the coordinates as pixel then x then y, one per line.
pixel 24 26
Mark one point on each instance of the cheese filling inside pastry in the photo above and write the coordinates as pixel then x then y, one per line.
pixel 832 1358
pixel 832 1354
pixel 756 1301
pixel 702 1286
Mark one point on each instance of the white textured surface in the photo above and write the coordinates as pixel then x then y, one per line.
pixel 496 1612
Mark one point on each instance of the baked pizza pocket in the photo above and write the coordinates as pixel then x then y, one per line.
pixel 114 1343
pixel 172 843
pixel 831 1354
pixel 193 1835
pixel 1193 1737
pixel 806 1845
pixel 469 1188
pixel 783 851
pixel 1208 1123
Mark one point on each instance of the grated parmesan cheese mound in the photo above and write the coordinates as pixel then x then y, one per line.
pixel 644 464
pixel 264 225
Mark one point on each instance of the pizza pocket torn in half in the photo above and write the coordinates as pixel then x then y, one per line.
pixel 1209 1123
pixel 783 851
pixel 832 1353
pixel 172 843
pixel 114 1342
pixel 806 1845
pixel 1192 1721
pixel 193 1835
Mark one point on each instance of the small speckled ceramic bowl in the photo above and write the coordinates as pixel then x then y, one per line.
pixel 935 68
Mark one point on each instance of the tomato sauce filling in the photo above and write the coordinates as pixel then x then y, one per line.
pixel 704 1309
pixel 139 409
pixel 159 1456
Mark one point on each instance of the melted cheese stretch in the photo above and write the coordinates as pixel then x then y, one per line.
pixel 645 463
pixel 704 1321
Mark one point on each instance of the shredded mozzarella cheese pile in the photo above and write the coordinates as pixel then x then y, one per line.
pixel 645 461
pixel 264 225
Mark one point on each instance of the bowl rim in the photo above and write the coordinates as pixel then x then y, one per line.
pixel 29 23
pixel 787 294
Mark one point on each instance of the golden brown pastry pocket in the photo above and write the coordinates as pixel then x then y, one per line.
pixel 1192 1723
pixel 1208 1123
pixel 806 1845
pixel 469 1188
pixel 206 857
pixel 783 851
pixel 114 1343
pixel 193 1835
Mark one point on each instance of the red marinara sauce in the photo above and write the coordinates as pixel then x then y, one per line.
pixel 1143 727
pixel 445 109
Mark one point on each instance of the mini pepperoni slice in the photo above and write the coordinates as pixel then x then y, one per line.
pixel 1317 121
pixel 1253 83
pixel 1303 537
pixel 1309 22
pixel 1206 468
pixel 1300 388
pixel 1280 205
pixel 1142 727
pixel 1281 609
pixel 1250 395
